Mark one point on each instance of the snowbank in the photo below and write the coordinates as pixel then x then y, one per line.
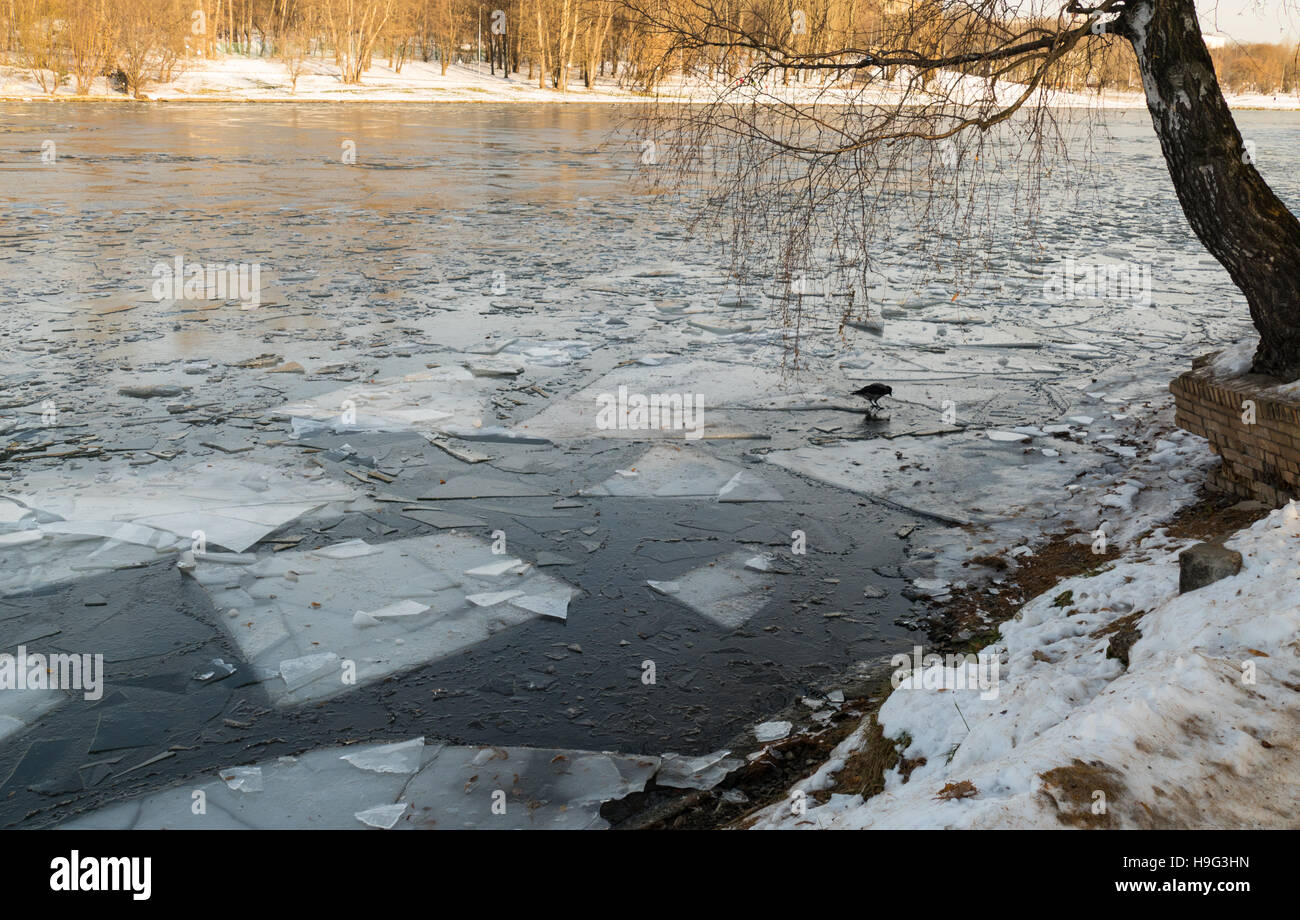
pixel 1197 731
pixel 228 77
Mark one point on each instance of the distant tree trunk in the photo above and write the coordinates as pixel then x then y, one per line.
pixel 1231 209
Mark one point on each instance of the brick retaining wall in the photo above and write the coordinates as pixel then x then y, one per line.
pixel 1260 461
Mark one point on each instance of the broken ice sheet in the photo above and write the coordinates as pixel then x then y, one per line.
pixel 214 671
pixel 669 471
pixel 492 598
pixel 399 757
pixel 772 731
pixel 1009 480
pixel 382 816
pixel 725 591
pixel 234 503
pixel 729 386
pixel 296 672
pixel 703 772
pixel 398 609
pixel 500 567
pixel 299 605
pixel 21 708
pixel 553 353
pixel 420 401
pixel 242 779
pixel 555 606
pixel 453 788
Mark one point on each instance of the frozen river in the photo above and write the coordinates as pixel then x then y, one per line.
pixel 410 520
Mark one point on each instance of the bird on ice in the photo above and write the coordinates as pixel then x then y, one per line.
pixel 873 393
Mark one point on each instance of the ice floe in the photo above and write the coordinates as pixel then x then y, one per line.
pixel 670 471
pixel 404 785
pixel 313 616
pixel 726 591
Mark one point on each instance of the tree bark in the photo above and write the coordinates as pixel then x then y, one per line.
pixel 1231 209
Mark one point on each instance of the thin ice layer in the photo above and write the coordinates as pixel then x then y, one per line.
pixel 488 788
pixel 362 606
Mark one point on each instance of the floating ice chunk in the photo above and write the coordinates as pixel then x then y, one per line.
pixel 555 606
pixel 297 672
pixel 162 510
pixel 349 549
pixel 703 772
pixel 445 395
pixel 665 587
pixel 226 558
pixel 495 569
pixel 475 485
pixel 21 708
pixel 746 487
pixel 722 327
pixel 243 779
pixel 731 385
pixel 398 757
pixel 398 609
pixel 446 787
pixel 931 587
pixel 761 563
pixel 303 603
pixel 772 731
pixel 215 670
pixel 492 598
pixel 492 433
pixel 554 353
pixel 115 530
pixel 498 368
pixel 724 591
pixel 1084 420
pixel 382 816
pixel 1006 436
pixel 21 537
pixel 682 472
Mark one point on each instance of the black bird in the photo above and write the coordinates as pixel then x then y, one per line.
pixel 874 393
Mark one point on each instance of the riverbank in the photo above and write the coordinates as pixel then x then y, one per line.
pixel 1120 704
pixel 236 78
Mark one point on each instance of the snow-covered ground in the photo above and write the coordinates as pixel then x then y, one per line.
pixel 1199 730
pixel 230 77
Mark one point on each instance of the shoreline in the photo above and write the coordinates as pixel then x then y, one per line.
pixel 558 99
pixel 233 79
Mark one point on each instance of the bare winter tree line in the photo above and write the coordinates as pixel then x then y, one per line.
pixel 554 42
pixel 71 42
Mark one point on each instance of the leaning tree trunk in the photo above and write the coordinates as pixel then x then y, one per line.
pixel 1228 204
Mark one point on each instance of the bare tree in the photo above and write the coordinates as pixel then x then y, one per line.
pixel 40 36
pixel 293 47
pixel 354 28
pixel 937 74
pixel 90 37
pixel 149 37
